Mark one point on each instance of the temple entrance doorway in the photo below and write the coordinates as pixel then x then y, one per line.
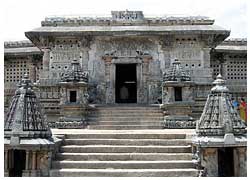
pixel 125 83
pixel 226 162
pixel 18 163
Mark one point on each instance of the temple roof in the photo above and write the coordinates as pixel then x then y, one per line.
pixel 25 118
pixel 219 117
pixel 24 47
pixel 124 18
pixel 126 23
pixel 154 30
pixel 176 73
pixel 237 45
pixel 75 74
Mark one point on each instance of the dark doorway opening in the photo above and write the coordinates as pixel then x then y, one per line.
pixel 125 83
pixel 19 163
pixel 225 162
pixel 178 94
pixel 72 96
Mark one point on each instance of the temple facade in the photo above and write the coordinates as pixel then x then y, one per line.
pixel 126 60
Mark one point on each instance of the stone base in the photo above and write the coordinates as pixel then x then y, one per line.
pixel 179 122
pixel 6 173
pixel 31 173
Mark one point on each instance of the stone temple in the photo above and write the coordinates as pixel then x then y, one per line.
pixel 125 95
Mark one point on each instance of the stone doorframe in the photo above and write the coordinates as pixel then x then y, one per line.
pixel 142 63
pixel 110 98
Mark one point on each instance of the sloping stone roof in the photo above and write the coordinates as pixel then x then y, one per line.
pixel 219 117
pixel 238 45
pixel 75 73
pixel 24 47
pixel 25 117
pixel 176 73
pixel 144 28
pixel 17 44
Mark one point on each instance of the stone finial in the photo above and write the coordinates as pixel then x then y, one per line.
pixel 176 73
pixel 219 85
pixel 75 73
pixel 219 117
pixel 25 117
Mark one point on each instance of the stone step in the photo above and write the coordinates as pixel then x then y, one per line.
pixel 114 134
pixel 137 122
pixel 129 107
pixel 124 149
pixel 122 164
pixel 128 111
pixel 190 172
pixel 123 156
pixel 135 118
pixel 139 142
pixel 123 127
pixel 122 115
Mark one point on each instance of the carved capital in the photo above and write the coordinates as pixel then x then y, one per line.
pixel 107 59
pixel 241 151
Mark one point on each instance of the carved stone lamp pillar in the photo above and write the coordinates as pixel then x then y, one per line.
pixel 177 97
pixel 221 135
pixel 73 98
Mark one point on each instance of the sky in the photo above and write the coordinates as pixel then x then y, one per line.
pixel 24 15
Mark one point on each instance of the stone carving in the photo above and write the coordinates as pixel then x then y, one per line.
pixel 219 116
pixel 73 113
pixel 69 123
pixel 220 129
pixel 176 73
pixel 23 107
pixel 171 122
pixel 75 74
pixel 127 15
pixel 26 129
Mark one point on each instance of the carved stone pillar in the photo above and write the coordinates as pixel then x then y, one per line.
pixel 46 59
pixel 85 59
pixel 210 161
pixel 32 75
pixel 33 160
pixel 6 160
pixel 140 85
pixel 240 162
pixel 206 57
pixel 32 69
pixel 27 161
pixel 109 68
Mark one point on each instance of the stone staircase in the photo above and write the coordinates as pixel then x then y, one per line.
pixel 126 117
pixel 198 107
pixel 124 153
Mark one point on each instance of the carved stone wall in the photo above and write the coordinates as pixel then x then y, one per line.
pixel 193 54
pixel 153 55
pixel 106 52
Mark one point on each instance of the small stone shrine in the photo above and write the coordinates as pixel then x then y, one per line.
pixel 28 142
pixel 74 97
pixel 177 97
pixel 220 142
